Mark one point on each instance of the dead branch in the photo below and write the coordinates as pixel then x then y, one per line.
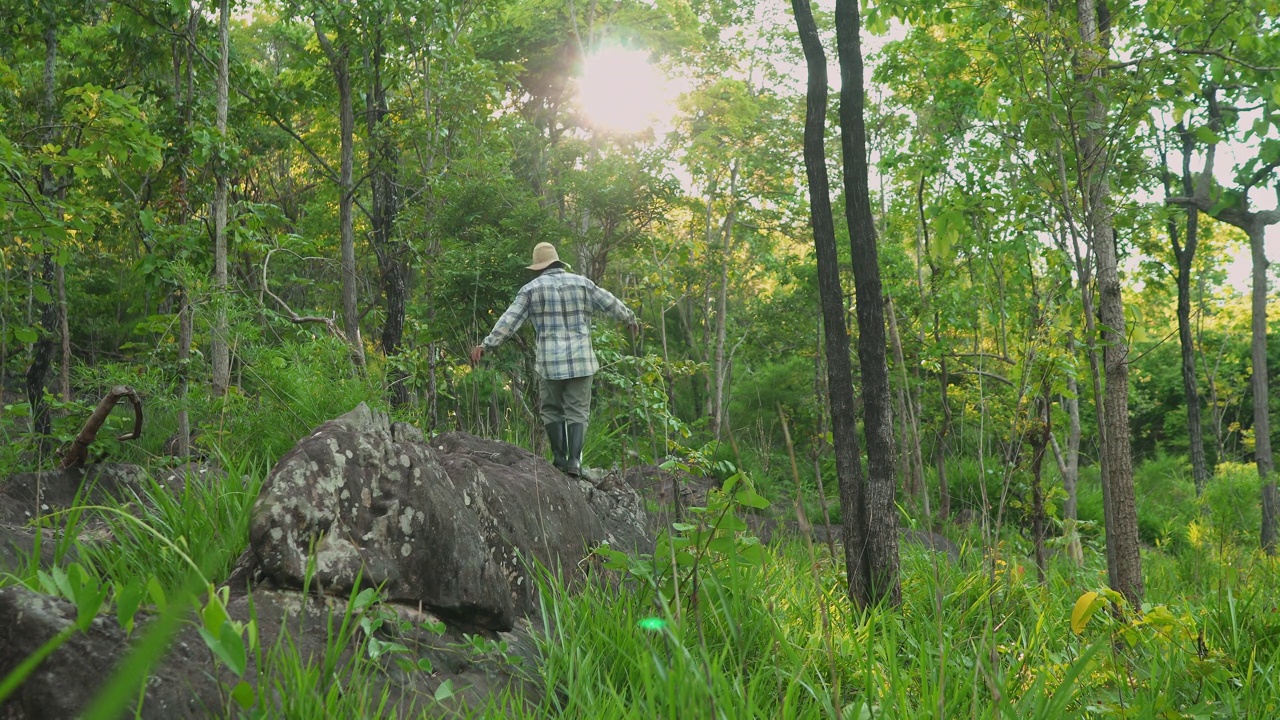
pixel 79 450
pixel 294 317
pixel 297 319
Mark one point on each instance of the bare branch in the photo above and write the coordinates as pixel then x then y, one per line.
pixel 1228 58
pixel 79 450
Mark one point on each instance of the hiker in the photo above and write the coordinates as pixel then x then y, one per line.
pixel 561 305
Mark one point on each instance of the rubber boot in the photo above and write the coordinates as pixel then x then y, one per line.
pixel 559 442
pixel 577 434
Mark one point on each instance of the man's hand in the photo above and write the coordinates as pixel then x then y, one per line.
pixel 476 353
pixel 634 327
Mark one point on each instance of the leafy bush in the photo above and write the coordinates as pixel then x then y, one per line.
pixel 1233 501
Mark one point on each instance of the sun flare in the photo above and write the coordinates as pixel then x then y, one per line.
pixel 620 91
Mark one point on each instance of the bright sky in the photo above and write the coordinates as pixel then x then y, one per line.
pixel 621 92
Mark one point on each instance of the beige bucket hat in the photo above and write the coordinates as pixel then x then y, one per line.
pixel 544 253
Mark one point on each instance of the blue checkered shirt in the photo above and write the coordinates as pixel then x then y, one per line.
pixel 561 305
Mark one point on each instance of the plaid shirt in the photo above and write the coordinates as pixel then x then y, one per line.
pixel 561 305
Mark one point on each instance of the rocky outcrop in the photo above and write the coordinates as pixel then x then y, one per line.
pixel 185 685
pixel 449 529
pixel 25 495
pixel 454 524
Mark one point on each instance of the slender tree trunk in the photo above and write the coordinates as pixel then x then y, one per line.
pixel 1039 444
pixel 880 513
pixel 722 303
pixel 42 355
pixel 64 331
pixel 339 65
pixel 717 399
pixel 844 431
pixel 1261 415
pixel 383 161
pixel 1184 251
pixel 913 478
pixel 1068 461
pixel 1122 531
pixel 220 350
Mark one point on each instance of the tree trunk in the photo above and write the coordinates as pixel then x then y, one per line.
pixel 844 432
pixel 1039 444
pixel 1261 416
pixel 1184 252
pixel 1069 465
pixel 1122 530
pixel 383 161
pixel 940 442
pixel 220 350
pixel 64 332
pixel 880 513
pixel 42 354
pixel 339 65
pixel 913 478
pixel 722 303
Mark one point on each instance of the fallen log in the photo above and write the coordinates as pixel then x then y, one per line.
pixel 79 450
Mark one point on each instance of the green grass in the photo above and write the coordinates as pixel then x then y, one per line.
pixel 981 640
pixel 977 639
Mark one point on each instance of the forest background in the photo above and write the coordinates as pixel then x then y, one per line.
pixel 259 216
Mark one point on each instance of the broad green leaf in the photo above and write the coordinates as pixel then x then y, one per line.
pixel 445 691
pixel 750 498
pixel 243 694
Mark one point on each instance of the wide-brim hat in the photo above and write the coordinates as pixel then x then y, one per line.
pixel 544 254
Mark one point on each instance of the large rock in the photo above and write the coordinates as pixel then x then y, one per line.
pixel 25 495
pixel 452 524
pixel 183 684
pixel 617 507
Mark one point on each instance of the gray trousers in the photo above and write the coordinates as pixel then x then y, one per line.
pixel 566 400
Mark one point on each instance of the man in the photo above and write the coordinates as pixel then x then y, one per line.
pixel 561 305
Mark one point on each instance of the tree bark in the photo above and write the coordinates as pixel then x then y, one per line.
pixel 383 162
pixel 339 65
pixel 220 351
pixel 1122 529
pixel 1261 415
pixel 1254 224
pixel 880 513
pixel 1184 251
pixel 42 352
pixel 722 304
pixel 844 431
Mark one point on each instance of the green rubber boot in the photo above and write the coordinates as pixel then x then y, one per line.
pixel 559 441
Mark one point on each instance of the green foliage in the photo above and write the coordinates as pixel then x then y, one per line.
pixel 1231 502
pixel 717 542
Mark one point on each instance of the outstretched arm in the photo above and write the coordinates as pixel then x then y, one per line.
pixel 506 326
pixel 605 302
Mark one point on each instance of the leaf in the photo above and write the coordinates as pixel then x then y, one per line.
pixel 445 691
pixel 722 545
pixel 213 616
pixel 424 664
pixel 243 694
pixel 367 597
pixel 156 593
pixel 128 598
pixel 227 647
pixel 750 498
pixel 26 335
pixel 1086 606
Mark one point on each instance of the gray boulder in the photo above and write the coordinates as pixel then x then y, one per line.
pixel 58 489
pixel 452 524
pixel 184 685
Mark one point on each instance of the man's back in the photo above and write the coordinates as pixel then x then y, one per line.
pixel 561 305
